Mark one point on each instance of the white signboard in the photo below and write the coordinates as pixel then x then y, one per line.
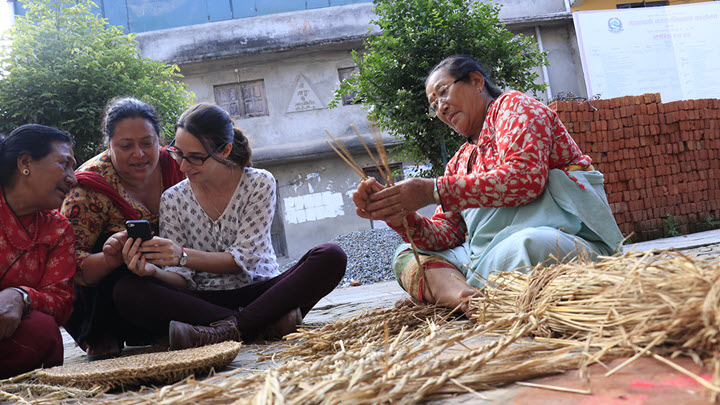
pixel 672 50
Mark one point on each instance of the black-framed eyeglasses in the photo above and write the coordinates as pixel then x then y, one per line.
pixel 441 96
pixel 193 160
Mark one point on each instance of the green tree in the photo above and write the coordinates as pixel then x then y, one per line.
pixel 64 63
pixel 416 35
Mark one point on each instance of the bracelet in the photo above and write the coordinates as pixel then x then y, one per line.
pixel 436 194
pixel 25 298
pixel 183 257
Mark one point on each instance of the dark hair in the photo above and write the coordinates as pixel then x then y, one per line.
pixel 460 67
pixel 214 128
pixel 30 139
pixel 120 108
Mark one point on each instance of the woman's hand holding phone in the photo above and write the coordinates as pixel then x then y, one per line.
pixel 161 252
pixel 150 250
pixel 139 229
pixel 135 260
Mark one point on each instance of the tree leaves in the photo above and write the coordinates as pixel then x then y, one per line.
pixel 416 35
pixel 65 63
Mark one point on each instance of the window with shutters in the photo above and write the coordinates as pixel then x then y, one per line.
pixel 344 74
pixel 242 100
pixel 395 171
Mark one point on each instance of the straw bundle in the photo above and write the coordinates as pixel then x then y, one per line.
pixel 434 359
pixel 579 313
pixel 620 302
pixel 384 170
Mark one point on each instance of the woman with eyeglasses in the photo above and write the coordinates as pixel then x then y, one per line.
pixel 518 193
pixel 122 183
pixel 212 275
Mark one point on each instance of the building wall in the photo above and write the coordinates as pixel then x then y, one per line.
pixel 565 69
pixel 283 135
pixel 314 185
pixel 564 72
pixel 589 5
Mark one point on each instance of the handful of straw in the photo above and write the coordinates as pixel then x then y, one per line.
pixel 384 170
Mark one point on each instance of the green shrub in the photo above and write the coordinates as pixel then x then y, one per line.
pixel 416 35
pixel 65 63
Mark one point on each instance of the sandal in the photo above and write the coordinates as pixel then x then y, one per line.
pixel 107 348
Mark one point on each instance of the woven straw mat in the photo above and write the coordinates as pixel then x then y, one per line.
pixel 160 367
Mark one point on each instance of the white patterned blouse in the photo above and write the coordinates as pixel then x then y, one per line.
pixel 243 230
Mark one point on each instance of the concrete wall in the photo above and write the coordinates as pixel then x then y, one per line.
pixel 523 8
pixel 565 68
pixel 202 47
pixel 588 5
pixel 314 185
pixel 284 135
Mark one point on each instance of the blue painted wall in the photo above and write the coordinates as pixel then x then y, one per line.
pixel 151 15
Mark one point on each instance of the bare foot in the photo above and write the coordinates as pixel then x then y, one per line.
pixel 464 298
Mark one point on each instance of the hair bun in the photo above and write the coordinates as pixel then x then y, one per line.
pixel 239 135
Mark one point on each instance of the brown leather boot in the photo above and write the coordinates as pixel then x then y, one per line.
pixel 283 326
pixel 185 336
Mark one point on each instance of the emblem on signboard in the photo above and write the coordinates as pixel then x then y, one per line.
pixel 615 25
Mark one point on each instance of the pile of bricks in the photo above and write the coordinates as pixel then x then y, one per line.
pixel 661 161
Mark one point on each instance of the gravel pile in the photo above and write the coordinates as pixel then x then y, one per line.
pixel 369 255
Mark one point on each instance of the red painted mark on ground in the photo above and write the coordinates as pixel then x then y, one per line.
pixel 675 382
pixel 643 384
pixel 684 381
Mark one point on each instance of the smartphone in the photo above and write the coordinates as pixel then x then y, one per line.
pixel 139 229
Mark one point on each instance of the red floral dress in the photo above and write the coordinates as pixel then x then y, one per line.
pixel 520 141
pixel 93 214
pixel 37 254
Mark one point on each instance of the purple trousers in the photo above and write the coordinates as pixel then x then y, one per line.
pixel 151 304
pixel 36 343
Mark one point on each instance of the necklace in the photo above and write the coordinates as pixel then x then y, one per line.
pixel 215 208
pixel 207 197
pixel 12 242
pixel 210 200
pixel 32 240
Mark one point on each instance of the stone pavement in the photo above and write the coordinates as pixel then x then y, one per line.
pixel 345 302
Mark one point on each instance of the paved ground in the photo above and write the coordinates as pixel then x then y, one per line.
pixel 345 302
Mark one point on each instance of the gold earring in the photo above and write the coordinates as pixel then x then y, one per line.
pixel 26 172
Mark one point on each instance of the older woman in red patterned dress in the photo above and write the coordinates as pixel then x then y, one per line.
pixel 37 247
pixel 518 193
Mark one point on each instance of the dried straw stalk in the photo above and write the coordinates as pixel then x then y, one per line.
pixel 344 153
pixel 579 312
